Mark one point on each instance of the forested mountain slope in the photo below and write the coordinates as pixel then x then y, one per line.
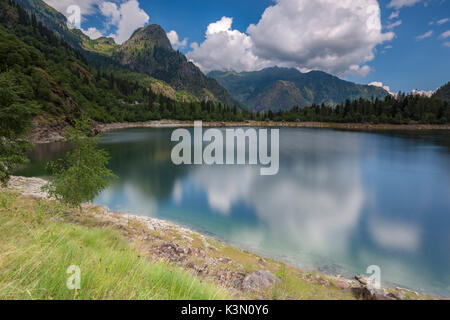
pixel 153 59
pixel 40 68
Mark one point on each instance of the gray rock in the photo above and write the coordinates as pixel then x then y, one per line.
pixel 259 280
pixel 367 292
pixel 341 284
pixel 361 279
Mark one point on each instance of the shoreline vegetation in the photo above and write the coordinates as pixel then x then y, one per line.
pixel 47 132
pixel 173 257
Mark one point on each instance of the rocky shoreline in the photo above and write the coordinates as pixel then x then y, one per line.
pixel 160 239
pixel 46 132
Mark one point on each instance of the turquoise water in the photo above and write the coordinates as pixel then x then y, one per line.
pixel 342 201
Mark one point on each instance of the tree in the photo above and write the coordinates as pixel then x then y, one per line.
pixel 15 118
pixel 82 174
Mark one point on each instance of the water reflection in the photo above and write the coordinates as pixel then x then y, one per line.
pixel 342 200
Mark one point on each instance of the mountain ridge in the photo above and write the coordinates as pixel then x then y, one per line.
pixel 315 87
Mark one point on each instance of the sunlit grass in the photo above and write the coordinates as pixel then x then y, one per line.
pixel 37 246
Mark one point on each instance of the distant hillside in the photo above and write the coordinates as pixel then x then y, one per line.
pixel 444 92
pixel 177 78
pixel 281 88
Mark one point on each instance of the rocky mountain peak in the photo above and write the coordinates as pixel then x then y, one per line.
pixel 153 35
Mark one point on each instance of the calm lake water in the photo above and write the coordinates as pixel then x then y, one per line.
pixel 342 201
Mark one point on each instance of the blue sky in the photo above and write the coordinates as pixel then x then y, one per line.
pixel 333 36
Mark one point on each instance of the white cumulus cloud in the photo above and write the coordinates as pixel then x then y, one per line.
pixel 225 49
pixel 381 85
pixel 175 40
pixel 92 33
pixel 335 36
pixel 111 12
pixel 323 34
pixel 127 18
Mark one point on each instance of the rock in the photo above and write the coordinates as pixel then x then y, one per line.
pixel 361 279
pixel 225 260
pixel 367 292
pixel 393 296
pixel 262 261
pixel 341 284
pixel 309 277
pixel 322 281
pixel 259 280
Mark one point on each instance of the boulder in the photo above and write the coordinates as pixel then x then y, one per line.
pixel 368 292
pixel 259 280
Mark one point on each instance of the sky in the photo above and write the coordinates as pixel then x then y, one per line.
pixel 401 45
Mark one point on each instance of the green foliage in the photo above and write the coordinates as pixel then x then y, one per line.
pixel 15 117
pixel 82 174
pixel 403 109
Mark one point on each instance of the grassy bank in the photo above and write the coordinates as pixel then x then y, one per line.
pixel 38 244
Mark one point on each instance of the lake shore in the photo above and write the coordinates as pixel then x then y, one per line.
pixel 246 275
pixel 53 132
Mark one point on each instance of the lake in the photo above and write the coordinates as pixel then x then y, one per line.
pixel 342 200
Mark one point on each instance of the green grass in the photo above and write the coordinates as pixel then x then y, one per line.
pixel 37 246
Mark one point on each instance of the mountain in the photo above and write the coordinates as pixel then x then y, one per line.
pixel 444 92
pixel 260 90
pixel 53 20
pixel 148 52
pixel 279 96
pixel 38 69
